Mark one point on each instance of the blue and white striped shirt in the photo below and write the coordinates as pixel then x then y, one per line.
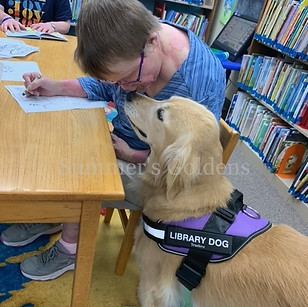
pixel 200 77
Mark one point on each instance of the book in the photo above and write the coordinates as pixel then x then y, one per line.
pixel 273 18
pixel 33 34
pixel 243 69
pixel 286 88
pixel 278 135
pixel 275 78
pixel 255 73
pixel 266 16
pixel 300 174
pixel 302 41
pixel 159 10
pixel 231 109
pixel 298 37
pixel 292 156
pixel 260 134
pixel 296 117
pixel 293 22
pixel 260 82
pixel 247 121
pixel 287 99
pixel 288 24
pixel 281 18
pixel 272 140
pixel 280 82
pixel 269 76
pixel 299 24
pixel 240 99
pixel 274 122
pixel 256 122
pixel 251 60
pixel 297 92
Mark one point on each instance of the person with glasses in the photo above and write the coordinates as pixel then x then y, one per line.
pixel 132 51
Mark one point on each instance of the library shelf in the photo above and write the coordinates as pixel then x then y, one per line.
pixel 279 184
pixel 195 15
pixel 303 131
pixel 267 42
pixel 207 4
pixel 205 7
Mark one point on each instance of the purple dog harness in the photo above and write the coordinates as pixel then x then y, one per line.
pixel 214 238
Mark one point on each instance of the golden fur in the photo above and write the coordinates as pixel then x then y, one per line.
pixel 272 270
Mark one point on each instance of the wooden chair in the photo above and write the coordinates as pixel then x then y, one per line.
pixel 228 139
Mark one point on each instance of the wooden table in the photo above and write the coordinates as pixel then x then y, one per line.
pixel 57 166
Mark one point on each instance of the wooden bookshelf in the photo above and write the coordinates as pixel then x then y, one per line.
pixel 266 43
pixel 207 8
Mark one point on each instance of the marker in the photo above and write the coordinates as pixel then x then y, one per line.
pixel 36 78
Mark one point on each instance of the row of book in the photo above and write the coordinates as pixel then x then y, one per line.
pixel 194 2
pixel 299 187
pixel 280 84
pixel 76 6
pixel 280 147
pixel 284 26
pixel 197 23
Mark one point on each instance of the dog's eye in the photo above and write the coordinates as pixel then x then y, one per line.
pixel 160 113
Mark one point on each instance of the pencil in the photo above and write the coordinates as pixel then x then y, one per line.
pixel 36 78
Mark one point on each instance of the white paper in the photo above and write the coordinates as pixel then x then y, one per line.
pixel 13 71
pixel 37 104
pixel 1 69
pixel 12 48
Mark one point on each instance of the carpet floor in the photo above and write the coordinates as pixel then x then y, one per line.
pixel 107 289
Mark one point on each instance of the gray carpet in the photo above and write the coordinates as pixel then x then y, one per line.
pixel 259 193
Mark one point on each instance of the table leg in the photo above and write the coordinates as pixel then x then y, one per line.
pixel 89 222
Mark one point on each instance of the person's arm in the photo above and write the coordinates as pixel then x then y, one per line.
pixel 124 152
pixel 9 23
pixel 52 26
pixel 37 85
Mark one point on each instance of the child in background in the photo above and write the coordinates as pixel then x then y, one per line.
pixel 47 17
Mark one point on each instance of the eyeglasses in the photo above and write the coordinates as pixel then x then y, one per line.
pixel 128 82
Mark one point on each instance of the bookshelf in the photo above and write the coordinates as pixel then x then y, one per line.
pixel 270 110
pixel 204 8
pixel 189 13
pixel 76 6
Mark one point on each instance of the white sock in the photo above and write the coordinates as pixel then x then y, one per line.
pixel 71 247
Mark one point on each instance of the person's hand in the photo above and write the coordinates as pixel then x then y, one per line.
pixel 121 148
pixel 44 27
pixel 36 85
pixel 124 152
pixel 12 25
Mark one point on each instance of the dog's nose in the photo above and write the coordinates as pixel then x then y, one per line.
pixel 130 96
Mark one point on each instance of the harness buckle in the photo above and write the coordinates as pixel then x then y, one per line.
pixel 226 214
pixel 188 276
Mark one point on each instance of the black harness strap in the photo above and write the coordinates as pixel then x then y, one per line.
pixel 193 266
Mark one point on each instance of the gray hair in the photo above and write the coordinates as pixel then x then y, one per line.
pixel 111 30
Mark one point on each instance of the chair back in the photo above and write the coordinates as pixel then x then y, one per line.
pixel 228 138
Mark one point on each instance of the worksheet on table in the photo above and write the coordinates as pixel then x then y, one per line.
pixel 13 70
pixel 12 48
pixel 36 104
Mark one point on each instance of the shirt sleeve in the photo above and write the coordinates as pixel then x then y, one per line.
pixel 94 89
pixel 63 10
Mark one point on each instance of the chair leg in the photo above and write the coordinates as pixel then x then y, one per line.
pixel 108 215
pixel 123 217
pixel 127 242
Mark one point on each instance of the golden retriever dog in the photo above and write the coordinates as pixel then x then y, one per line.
pixel 184 180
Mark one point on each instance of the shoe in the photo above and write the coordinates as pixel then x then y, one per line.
pixel 49 265
pixel 23 234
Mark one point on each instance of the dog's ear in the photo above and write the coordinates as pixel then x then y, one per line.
pixel 180 165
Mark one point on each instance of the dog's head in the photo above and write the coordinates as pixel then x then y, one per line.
pixel 183 136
